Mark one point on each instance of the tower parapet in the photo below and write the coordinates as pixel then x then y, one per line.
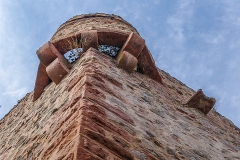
pixel 98 21
pixel 92 30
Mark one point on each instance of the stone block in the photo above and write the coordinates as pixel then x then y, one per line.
pixel 99 111
pixel 201 102
pixel 46 54
pixel 55 64
pixel 42 81
pixel 111 37
pixel 89 39
pixel 57 70
pixel 109 144
pixel 127 61
pixel 133 45
pixel 108 107
pixel 146 65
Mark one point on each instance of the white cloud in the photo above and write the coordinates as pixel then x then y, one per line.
pixel 19 93
pixel 232 13
pixel 180 21
pixel 156 1
pixel 214 38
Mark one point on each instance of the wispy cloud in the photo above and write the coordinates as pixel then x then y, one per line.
pixel 214 38
pixel 16 62
pixel 170 47
pixel 180 21
pixel 231 17
pixel 19 93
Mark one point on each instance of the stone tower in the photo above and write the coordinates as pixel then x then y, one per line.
pixel 112 103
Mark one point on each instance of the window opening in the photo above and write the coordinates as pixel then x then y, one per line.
pixel 109 50
pixel 73 54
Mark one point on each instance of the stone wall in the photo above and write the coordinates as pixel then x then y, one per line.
pixel 101 112
pixel 99 21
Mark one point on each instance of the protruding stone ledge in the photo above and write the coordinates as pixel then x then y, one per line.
pixel 57 70
pixel 146 65
pixel 201 102
pixel 127 56
pixel 52 66
pixel 89 39
pixel 133 54
pixel 42 81
pixel 134 44
pixel 127 61
pixel 45 54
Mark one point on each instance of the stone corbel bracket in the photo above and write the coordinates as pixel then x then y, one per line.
pixel 53 66
pixel 133 55
pixel 201 102
pixel 127 58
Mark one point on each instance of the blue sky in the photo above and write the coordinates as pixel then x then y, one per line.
pixel 197 42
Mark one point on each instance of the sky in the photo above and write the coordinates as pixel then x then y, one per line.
pixel 196 41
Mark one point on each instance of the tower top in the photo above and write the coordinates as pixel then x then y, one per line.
pixel 92 31
pixel 97 21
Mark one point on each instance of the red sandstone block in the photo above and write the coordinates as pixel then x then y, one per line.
pixel 147 65
pixel 55 50
pixel 42 81
pixel 127 61
pixel 97 74
pixel 74 81
pixel 111 37
pixel 45 54
pixel 87 123
pixel 67 42
pixel 70 156
pixel 91 79
pixel 109 144
pixel 93 71
pixel 133 45
pixel 50 66
pixel 94 148
pixel 110 108
pixel 82 154
pixel 57 70
pixel 108 89
pixel 102 122
pixel 96 92
pixel 89 39
pixel 201 102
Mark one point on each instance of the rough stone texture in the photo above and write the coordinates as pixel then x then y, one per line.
pixel 89 39
pixel 101 112
pixel 127 61
pixel 146 65
pixel 200 101
pixel 133 55
pixel 42 80
pixel 134 44
pixel 52 66
pixel 57 70
pixel 99 21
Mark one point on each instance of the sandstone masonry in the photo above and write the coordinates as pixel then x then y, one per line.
pixel 100 110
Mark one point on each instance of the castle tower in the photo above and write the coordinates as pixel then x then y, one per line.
pixel 99 96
